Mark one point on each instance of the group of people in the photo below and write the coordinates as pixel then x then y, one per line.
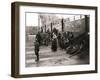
pixel 55 39
pixel 63 40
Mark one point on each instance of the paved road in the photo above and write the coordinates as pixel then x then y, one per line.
pixel 49 58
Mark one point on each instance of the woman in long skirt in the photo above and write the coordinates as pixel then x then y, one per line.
pixel 54 43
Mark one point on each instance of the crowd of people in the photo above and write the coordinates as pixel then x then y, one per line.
pixel 57 39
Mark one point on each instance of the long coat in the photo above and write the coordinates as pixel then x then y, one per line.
pixel 36 48
pixel 54 45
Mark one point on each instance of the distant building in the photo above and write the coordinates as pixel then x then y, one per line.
pixel 76 23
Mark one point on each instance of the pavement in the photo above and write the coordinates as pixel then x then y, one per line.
pixel 49 58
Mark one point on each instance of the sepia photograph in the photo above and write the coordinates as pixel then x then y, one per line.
pixel 56 39
pixel 52 39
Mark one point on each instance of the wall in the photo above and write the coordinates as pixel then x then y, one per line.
pixel 5 40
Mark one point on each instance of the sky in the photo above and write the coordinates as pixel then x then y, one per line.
pixel 31 19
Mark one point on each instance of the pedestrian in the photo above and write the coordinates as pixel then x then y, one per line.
pixel 36 50
pixel 38 37
pixel 71 37
pixel 59 40
pixel 46 39
pixel 54 43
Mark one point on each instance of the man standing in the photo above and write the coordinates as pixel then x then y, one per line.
pixel 36 49
pixel 38 37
